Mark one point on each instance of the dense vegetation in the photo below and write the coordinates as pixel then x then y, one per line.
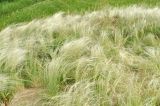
pixel 6 0
pixel 27 10
pixel 109 57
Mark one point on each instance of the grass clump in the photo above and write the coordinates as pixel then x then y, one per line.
pixel 106 57
pixel 7 89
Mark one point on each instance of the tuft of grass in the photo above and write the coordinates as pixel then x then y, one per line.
pixel 7 89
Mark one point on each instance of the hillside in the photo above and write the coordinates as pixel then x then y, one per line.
pixel 15 11
pixel 92 55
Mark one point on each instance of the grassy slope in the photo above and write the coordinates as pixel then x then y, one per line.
pixel 129 2
pixel 98 59
pixel 121 45
pixel 27 10
pixel 9 7
pixel 41 9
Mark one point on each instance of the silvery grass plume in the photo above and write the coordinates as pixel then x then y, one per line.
pixel 4 82
pixel 104 58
